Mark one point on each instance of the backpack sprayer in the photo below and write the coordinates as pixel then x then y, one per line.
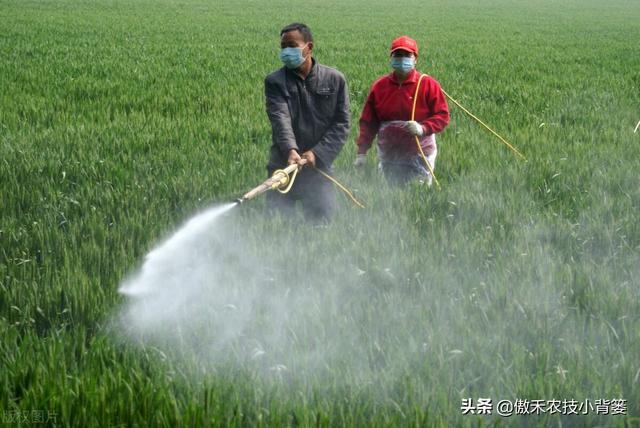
pixel 282 180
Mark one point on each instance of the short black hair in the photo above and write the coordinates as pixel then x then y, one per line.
pixel 304 30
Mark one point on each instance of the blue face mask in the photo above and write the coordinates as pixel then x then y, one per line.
pixel 403 64
pixel 291 57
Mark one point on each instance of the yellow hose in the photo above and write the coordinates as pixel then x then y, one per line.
pixel 413 112
pixel 505 142
pixel 413 115
pixel 286 185
pixel 341 187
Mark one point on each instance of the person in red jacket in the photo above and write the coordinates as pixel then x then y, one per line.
pixel 387 114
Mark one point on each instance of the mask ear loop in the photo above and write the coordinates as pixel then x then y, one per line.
pixel 305 45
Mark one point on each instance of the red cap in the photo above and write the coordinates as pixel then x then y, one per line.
pixel 405 43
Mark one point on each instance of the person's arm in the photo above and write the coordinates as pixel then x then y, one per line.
pixel 437 104
pixel 280 118
pixel 369 124
pixel 335 136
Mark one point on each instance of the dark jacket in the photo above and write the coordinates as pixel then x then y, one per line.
pixel 307 114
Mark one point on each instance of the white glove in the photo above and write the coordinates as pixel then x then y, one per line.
pixel 414 128
pixel 361 160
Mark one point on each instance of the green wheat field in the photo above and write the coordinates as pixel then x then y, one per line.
pixel 516 280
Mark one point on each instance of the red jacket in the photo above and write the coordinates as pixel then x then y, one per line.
pixel 389 100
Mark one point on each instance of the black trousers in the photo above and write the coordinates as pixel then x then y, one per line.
pixel 315 193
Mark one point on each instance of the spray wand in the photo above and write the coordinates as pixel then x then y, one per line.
pixel 282 180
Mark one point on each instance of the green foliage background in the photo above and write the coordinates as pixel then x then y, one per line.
pixel 120 119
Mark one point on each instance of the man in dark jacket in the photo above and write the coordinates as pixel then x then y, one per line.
pixel 308 106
